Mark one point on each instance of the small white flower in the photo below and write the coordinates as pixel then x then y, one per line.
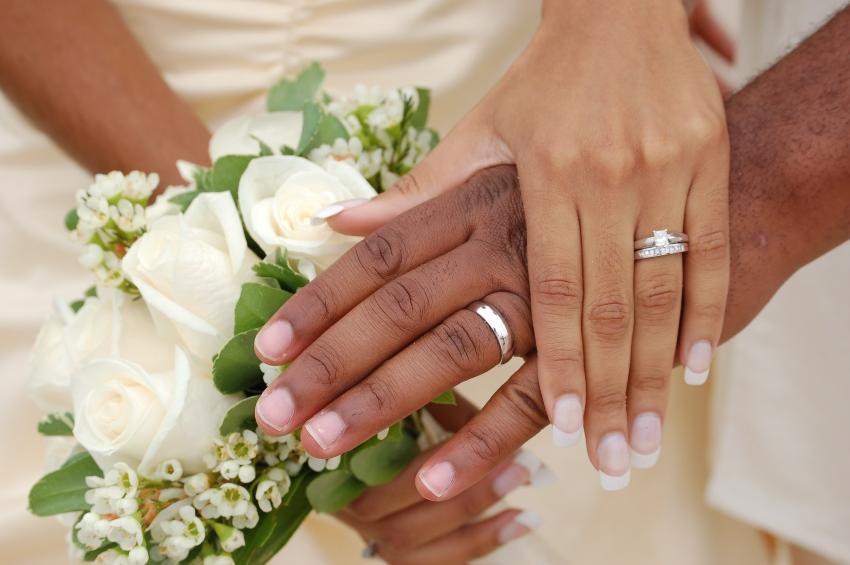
pixel 247 521
pixel 91 530
pixel 126 506
pixel 243 446
pixel 125 478
pixel 247 473
pixel 196 484
pixel 138 556
pixel 382 435
pixel 126 532
pixel 218 560
pixel 270 373
pixel 92 256
pixel 231 500
pixel 268 495
pixel 229 470
pixel 170 470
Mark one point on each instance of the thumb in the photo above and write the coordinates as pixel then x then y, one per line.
pixel 468 148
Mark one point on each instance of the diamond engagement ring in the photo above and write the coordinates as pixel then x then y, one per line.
pixel 498 326
pixel 661 243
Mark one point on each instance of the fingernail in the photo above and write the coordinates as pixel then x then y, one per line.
pixel 613 454
pixel 325 428
pixel 438 478
pixel 511 478
pixel 274 339
pixel 539 474
pixel 645 440
pixel 698 363
pixel 322 215
pixel 276 408
pixel 567 424
pixel 520 526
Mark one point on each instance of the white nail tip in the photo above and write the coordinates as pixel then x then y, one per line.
pixel 565 439
pixel 695 379
pixel 543 478
pixel 615 483
pixel 644 460
pixel 325 213
pixel 528 460
pixel 530 520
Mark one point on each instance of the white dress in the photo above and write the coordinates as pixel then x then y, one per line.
pixel 221 55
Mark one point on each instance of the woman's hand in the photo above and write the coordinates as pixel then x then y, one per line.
pixel 616 126
pixel 401 528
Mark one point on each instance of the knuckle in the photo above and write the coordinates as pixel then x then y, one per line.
pixel 380 395
pixel 394 537
pixel 525 404
pixel 364 509
pixel 705 128
pixel 660 150
pixel 317 301
pixel 659 296
pixel 556 159
pixel 381 254
pixel 653 380
pixel 402 304
pixel 563 356
pixel 712 311
pixel 607 399
pixel 457 346
pixel 487 445
pixel 613 165
pixel 712 246
pixel 408 184
pixel 609 318
pixel 325 365
pixel 558 287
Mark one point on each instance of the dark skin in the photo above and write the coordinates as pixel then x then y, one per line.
pixel 789 204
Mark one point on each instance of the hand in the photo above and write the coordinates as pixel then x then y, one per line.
pixel 403 529
pixel 617 128
pixel 706 27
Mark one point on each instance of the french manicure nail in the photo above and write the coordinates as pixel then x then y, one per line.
pixel 274 339
pixel 645 440
pixel 538 473
pixel 613 455
pixel 438 478
pixel 567 424
pixel 519 526
pixel 276 408
pixel 698 363
pixel 511 478
pixel 325 428
pixel 322 215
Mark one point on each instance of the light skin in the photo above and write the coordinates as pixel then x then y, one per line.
pixel 614 132
pixel 76 70
pixel 377 337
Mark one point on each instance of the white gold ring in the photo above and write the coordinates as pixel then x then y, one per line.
pixel 498 326
pixel 661 243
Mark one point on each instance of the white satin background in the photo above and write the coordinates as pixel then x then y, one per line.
pixel 221 55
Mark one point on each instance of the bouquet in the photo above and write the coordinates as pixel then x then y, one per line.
pixel 150 380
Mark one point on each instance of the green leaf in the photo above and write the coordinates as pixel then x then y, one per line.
pixel 239 417
pixel 236 367
pixel 72 219
pixel 227 171
pixel 64 489
pixel 379 463
pixel 76 305
pixel 275 528
pixel 284 274
pixel 447 397
pixel 319 129
pixel 203 178
pixel 257 303
pixel 291 95
pixel 57 425
pixel 334 490
pixel 183 200
pixel 420 116
pixel 92 555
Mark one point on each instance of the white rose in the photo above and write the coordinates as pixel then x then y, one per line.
pixel 242 135
pixel 163 206
pixel 123 413
pixel 111 324
pixel 278 196
pixel 189 269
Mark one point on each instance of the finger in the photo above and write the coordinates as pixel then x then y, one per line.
pixel 461 347
pixel 385 322
pixel 469 542
pixel 512 416
pixel 453 161
pixel 427 521
pixel 706 265
pixel 555 284
pixel 705 26
pixel 608 261
pixel 658 298
pixel 375 261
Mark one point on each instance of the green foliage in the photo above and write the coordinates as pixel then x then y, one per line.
pixel 64 489
pixel 72 219
pixel 257 303
pixel 203 178
pixel 319 128
pixel 332 491
pixel 236 367
pixel 447 397
pixel 183 200
pixel 291 95
pixel 239 417
pixel 275 528
pixel 57 425
pixel 282 272
pixel 227 171
pixel 419 118
pixel 378 462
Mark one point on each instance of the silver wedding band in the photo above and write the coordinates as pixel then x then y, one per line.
pixel 498 326
pixel 661 243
